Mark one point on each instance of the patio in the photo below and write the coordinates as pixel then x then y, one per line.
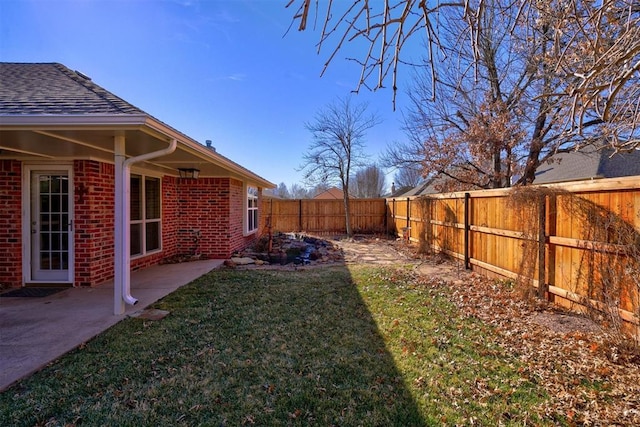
pixel 36 331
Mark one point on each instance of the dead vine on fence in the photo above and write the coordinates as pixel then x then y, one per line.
pixel 524 203
pixel 609 273
pixel 425 238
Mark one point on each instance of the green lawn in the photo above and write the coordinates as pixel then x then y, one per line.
pixel 330 346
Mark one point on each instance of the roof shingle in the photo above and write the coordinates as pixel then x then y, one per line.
pixel 53 89
pixel 588 163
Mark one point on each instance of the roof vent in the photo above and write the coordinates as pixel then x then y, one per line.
pixel 84 76
pixel 209 146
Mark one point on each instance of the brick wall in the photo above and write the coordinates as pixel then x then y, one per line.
pixel 210 217
pixel 10 223
pixel 169 216
pixel 203 213
pixel 94 221
pixel 199 216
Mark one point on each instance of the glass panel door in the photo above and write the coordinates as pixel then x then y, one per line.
pixel 51 226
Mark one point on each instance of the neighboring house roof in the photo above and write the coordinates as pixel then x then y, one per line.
pixel 435 185
pixel 48 111
pixel 426 187
pixel 588 163
pixel 331 194
pixel 584 164
pixel 398 192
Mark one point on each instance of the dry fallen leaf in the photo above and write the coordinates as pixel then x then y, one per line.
pixel 591 378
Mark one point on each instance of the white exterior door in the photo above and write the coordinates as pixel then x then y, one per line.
pixel 50 213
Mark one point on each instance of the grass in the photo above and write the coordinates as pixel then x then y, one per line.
pixel 335 346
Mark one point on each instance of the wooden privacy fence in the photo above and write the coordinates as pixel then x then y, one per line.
pixel 322 217
pixel 574 243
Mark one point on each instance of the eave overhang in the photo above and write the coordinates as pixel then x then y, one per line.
pixel 90 136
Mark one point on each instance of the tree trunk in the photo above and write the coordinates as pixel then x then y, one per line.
pixel 497 169
pixel 537 138
pixel 347 214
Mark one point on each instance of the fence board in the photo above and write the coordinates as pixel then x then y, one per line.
pixel 324 216
pixel 590 230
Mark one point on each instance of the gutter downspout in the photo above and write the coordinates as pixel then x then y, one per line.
pixel 122 279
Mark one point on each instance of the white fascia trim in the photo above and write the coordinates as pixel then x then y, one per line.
pixel 71 120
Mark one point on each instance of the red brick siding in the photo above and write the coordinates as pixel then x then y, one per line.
pixel 169 216
pixel 236 216
pixel 214 207
pixel 94 221
pixel 202 217
pixel 10 223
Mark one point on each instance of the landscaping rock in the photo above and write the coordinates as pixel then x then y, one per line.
pixel 290 248
pixel 243 260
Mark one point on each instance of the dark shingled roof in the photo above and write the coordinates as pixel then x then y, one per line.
pixel 588 163
pixel 53 89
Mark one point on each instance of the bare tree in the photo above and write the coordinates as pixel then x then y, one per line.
pixel 593 47
pixel 297 191
pixel 407 176
pixel 368 182
pixel 281 191
pixel 472 131
pixel 337 148
pixel 596 49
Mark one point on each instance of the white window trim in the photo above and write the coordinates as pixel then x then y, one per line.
pixel 143 221
pixel 246 208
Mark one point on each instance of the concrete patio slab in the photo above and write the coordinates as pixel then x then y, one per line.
pixel 36 331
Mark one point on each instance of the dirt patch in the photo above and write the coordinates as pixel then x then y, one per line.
pixel 297 250
pixel 564 323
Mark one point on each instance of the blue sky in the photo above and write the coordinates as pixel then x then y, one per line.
pixel 213 69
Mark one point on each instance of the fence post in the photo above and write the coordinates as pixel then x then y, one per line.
pixel 300 215
pixel 428 225
pixel 386 217
pixel 467 258
pixel 408 237
pixel 551 225
pixel 542 243
pixel 393 217
pixel 270 227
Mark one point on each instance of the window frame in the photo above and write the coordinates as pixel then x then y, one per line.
pixel 143 221
pixel 251 212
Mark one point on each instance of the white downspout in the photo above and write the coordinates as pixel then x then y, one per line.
pixel 122 279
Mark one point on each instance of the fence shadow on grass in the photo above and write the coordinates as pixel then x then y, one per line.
pixel 301 346
pixel 240 347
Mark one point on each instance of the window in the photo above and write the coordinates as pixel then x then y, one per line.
pixel 145 222
pixel 252 209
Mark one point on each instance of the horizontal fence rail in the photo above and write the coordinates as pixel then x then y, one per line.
pixel 577 245
pixel 323 217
